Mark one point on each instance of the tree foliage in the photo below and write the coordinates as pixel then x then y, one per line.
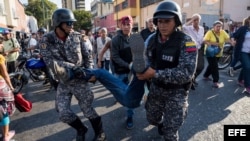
pixel 41 10
pixel 83 20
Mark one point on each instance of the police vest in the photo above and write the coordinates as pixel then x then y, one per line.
pixel 165 55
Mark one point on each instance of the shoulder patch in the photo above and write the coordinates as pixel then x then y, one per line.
pixel 190 46
pixel 43 46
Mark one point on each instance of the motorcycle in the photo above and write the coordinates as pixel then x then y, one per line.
pixel 227 57
pixel 18 80
pixel 35 66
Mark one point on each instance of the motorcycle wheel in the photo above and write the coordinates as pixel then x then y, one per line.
pixel 224 61
pixel 17 83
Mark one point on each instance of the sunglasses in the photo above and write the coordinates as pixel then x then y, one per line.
pixel 69 23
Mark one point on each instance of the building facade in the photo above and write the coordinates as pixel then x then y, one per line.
pixel 12 16
pixel 210 10
pixel 128 7
pixel 103 15
pixel 74 4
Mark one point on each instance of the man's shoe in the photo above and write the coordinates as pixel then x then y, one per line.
pixel 247 90
pixel 62 74
pixel 218 85
pixel 136 43
pixel 160 126
pixel 129 123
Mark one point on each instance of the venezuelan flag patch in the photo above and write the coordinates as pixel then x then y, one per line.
pixel 190 47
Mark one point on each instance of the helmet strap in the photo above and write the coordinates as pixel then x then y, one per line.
pixel 60 27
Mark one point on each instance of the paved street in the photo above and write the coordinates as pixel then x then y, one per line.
pixel 209 110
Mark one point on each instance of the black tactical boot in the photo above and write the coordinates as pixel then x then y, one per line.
pixel 81 134
pixel 160 126
pixel 80 128
pixel 97 126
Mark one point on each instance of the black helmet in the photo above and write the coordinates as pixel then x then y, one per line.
pixel 42 30
pixel 62 15
pixel 168 9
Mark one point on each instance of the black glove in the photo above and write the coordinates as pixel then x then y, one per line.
pixel 78 72
pixel 81 73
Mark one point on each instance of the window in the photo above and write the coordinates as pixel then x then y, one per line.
pixel 117 8
pixel 125 4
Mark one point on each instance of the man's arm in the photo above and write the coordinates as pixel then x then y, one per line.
pixel 104 49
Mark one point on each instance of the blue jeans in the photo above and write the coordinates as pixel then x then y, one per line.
pixel 245 71
pixel 128 95
pixel 106 64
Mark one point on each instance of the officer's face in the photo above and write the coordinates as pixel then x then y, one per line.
pixel 166 26
pixel 40 34
pixel 68 26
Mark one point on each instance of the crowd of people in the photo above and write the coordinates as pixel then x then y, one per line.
pixel 162 62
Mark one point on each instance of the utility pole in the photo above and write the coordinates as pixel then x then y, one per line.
pixel 117 10
pixel 43 13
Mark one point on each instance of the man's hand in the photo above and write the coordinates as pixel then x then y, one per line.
pixel 92 79
pixel 149 73
pixel 99 64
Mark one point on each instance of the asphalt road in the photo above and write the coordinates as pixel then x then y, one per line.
pixel 209 110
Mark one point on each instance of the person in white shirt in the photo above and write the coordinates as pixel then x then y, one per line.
pixel 226 25
pixel 100 43
pixel 193 28
pixel 32 44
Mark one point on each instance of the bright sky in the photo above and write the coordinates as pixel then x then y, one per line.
pixel 59 3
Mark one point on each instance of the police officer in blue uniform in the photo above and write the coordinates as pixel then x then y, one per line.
pixel 171 57
pixel 62 48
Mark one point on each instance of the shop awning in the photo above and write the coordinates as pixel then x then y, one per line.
pixel 2 29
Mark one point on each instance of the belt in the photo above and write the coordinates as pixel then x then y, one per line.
pixel 169 86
